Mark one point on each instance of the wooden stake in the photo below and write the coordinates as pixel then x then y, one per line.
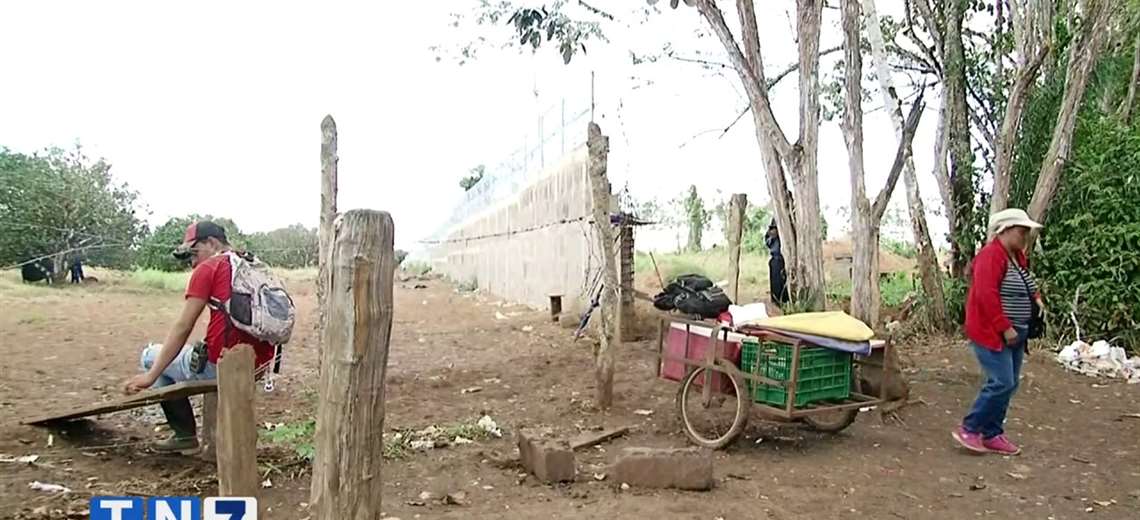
pixel 354 355
pixel 328 212
pixel 599 146
pixel 736 207
pixel 237 425
pixel 208 439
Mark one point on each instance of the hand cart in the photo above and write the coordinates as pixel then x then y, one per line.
pixel 713 415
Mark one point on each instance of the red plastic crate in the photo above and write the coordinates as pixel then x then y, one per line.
pixel 699 339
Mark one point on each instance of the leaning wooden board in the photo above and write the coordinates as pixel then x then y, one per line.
pixel 148 397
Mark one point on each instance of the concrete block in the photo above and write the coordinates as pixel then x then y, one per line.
pixel 682 468
pixel 550 460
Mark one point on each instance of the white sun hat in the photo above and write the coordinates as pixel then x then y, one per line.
pixel 1011 217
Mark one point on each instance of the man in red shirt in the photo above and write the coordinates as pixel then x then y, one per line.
pixel 173 361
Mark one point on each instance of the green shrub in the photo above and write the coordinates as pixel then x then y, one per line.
pixel 1091 242
pixel 955 290
pixel 161 280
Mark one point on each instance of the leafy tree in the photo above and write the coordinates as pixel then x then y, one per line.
pixel 471 180
pixel 697 218
pixel 64 204
pixel 756 220
pixel 289 247
pixel 1092 242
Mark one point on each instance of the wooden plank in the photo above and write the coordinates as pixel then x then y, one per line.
pixel 346 480
pixel 237 425
pixel 144 398
pixel 586 440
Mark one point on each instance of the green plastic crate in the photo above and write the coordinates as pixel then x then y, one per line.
pixel 824 374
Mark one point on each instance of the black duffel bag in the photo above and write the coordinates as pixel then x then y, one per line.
pixel 693 294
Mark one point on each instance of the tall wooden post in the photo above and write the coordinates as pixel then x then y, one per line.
pixel 736 206
pixel 328 212
pixel 237 426
pixel 598 146
pixel 354 355
pixel 625 261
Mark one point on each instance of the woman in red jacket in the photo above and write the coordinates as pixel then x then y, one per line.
pixel 998 313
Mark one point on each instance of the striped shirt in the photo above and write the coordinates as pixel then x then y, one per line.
pixel 1015 300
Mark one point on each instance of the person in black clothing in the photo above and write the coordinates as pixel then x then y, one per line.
pixel 77 270
pixel 777 276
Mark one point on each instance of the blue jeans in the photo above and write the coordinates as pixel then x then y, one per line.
pixel 1003 370
pixel 178 371
pixel 179 413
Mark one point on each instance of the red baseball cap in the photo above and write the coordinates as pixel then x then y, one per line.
pixel 199 231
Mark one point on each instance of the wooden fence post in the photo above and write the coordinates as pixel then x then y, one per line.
pixel 237 426
pixel 627 313
pixel 208 439
pixel 354 354
pixel 736 207
pixel 328 212
pixel 598 146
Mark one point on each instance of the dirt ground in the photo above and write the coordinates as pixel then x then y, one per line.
pixel 65 346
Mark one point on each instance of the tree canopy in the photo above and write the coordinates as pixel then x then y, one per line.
pixel 64 204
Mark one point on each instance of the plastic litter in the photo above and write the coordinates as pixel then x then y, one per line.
pixel 50 488
pixel 488 425
pixel 1100 359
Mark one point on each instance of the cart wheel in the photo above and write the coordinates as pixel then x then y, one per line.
pixel 835 421
pixel 715 424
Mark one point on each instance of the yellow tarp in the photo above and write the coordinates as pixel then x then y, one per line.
pixel 835 324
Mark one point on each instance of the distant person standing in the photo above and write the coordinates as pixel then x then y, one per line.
pixel 777 275
pixel 77 270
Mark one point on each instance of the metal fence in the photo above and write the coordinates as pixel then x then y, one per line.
pixel 560 129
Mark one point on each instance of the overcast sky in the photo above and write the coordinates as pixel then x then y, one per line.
pixel 215 107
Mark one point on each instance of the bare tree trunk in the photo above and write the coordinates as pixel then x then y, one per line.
pixel 927 260
pixel 798 219
pixel 865 216
pixel 1010 127
pixel 809 232
pixel 599 146
pixel 350 418
pixel 1085 53
pixel 736 207
pixel 941 170
pixel 961 155
pixel 1129 102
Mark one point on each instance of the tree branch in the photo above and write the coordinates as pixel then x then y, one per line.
pixel 796 66
pixel 773 82
pixel 706 63
pixel 932 26
pixel 757 92
pixel 596 11
pixel 1010 127
pixel 1125 111
pixel 901 155
pixel 983 126
pixel 750 36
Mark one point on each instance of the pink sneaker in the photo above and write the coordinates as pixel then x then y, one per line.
pixel 970 441
pixel 1001 444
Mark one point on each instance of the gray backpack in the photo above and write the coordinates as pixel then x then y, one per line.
pixel 259 303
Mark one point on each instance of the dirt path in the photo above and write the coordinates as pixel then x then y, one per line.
pixel 65 346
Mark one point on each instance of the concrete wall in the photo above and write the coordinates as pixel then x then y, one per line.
pixel 536 243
